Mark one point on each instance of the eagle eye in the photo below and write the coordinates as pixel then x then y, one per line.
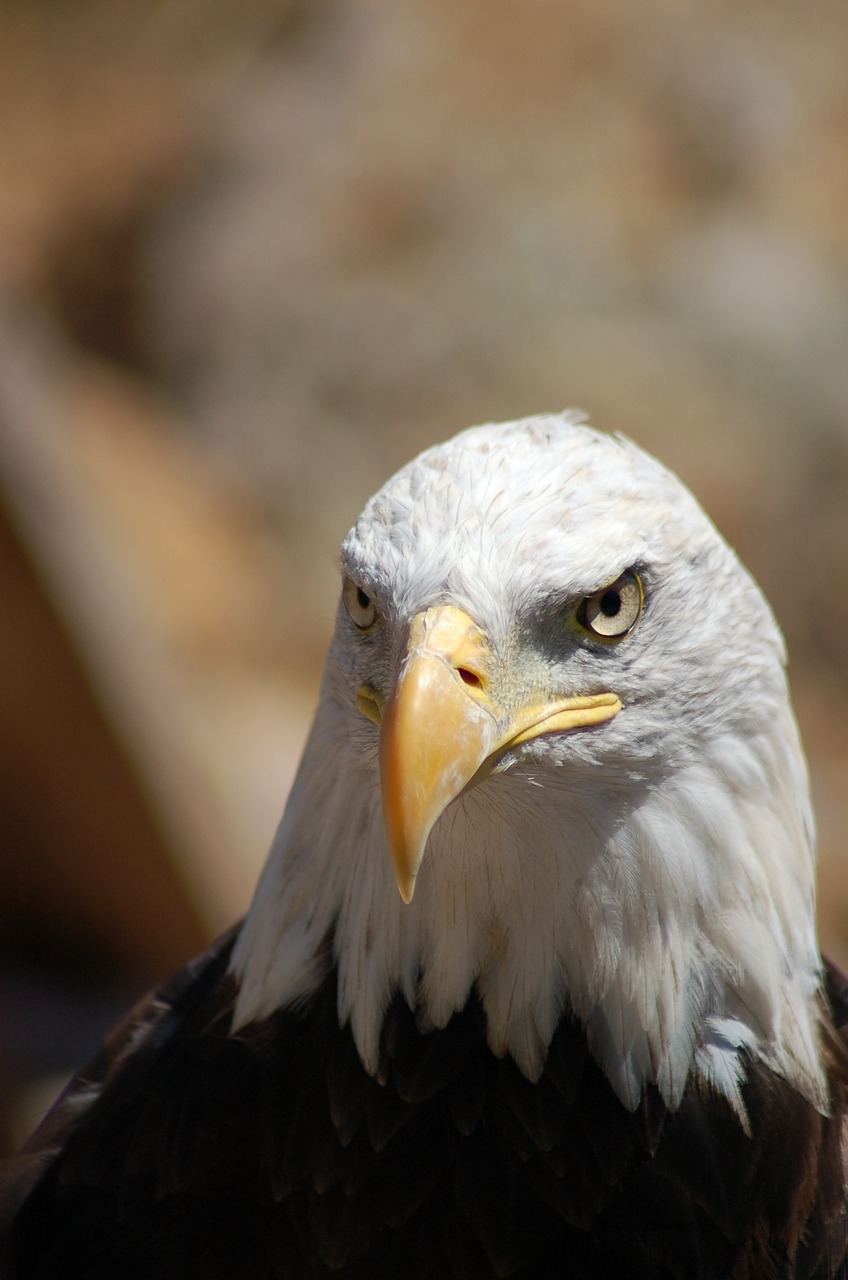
pixel 360 607
pixel 612 612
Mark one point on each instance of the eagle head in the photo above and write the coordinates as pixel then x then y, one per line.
pixel 554 762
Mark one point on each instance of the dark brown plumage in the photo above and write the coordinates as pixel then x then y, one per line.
pixel 274 1154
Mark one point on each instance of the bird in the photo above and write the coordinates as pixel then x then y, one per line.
pixel 530 986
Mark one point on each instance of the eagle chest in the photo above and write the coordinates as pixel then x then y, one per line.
pixel 274 1154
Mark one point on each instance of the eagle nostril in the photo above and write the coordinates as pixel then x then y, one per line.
pixel 469 677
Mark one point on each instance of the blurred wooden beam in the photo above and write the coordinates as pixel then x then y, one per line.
pixel 108 828
pixel 83 850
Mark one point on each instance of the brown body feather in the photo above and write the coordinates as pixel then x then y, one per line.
pixel 186 1152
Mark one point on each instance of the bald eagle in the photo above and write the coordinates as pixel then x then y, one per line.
pixel 592 1034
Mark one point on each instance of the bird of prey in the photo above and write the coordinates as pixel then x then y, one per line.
pixel 530 986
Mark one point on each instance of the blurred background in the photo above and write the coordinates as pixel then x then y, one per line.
pixel 256 253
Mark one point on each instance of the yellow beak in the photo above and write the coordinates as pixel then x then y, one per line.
pixel 441 727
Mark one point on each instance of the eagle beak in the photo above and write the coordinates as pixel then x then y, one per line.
pixel 442 726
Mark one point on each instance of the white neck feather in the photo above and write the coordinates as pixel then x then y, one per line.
pixel 675 920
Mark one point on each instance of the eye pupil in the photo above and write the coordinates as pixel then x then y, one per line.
pixel 613 611
pixel 610 603
pixel 360 607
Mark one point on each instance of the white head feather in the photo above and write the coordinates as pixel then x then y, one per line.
pixel 653 874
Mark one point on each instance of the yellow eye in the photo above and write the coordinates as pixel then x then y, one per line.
pixel 360 607
pixel 612 612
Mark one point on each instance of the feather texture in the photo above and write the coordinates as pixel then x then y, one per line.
pixel 275 1154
